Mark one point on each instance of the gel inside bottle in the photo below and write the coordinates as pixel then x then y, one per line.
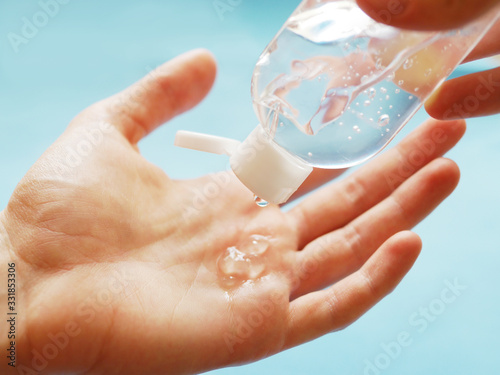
pixel 332 89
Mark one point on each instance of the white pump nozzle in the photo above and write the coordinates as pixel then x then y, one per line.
pixel 270 172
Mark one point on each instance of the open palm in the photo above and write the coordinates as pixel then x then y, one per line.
pixel 120 263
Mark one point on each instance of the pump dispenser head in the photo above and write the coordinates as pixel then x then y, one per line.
pixel 269 171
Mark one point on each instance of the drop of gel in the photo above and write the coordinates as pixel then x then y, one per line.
pixel 238 267
pixel 243 262
pixel 257 245
pixel 260 202
pixel 233 263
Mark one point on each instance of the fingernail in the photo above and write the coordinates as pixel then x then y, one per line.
pixel 432 99
pixel 433 108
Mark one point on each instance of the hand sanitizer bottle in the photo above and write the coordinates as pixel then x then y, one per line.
pixel 332 89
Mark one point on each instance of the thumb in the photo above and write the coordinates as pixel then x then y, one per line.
pixel 426 14
pixel 169 90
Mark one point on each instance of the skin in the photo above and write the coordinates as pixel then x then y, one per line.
pixel 449 101
pixel 113 253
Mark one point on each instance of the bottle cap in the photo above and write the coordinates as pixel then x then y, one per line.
pixel 269 171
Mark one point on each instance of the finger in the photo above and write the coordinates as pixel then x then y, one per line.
pixel 426 14
pixel 334 206
pixel 473 95
pixel 318 313
pixel 340 253
pixel 167 91
pixel 488 46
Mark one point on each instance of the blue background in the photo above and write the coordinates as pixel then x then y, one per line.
pixel 93 49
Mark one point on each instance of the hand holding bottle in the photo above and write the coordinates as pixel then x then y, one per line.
pixel 332 89
pixel 473 95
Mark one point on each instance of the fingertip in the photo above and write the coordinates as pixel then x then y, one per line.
pixel 451 171
pixel 202 67
pixel 167 91
pixel 384 11
pixel 395 257
pixel 202 52
pixel 425 14
pixel 407 243
pixel 448 168
pixel 443 176
pixel 431 105
pixel 440 105
pixel 444 129
pixel 459 126
pixel 206 61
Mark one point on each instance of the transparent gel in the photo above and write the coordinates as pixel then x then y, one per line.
pixel 334 86
pixel 244 261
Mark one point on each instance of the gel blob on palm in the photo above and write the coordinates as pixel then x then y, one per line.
pixel 332 89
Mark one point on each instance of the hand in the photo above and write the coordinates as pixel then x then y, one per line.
pixel 119 265
pixel 473 95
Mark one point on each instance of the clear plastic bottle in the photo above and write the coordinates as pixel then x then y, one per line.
pixel 333 88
